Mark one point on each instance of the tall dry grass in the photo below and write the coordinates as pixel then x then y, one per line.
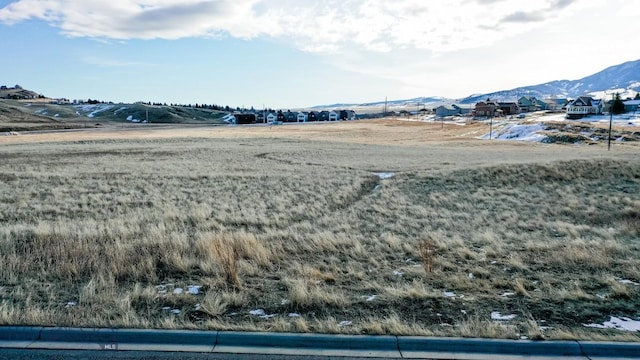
pixel 104 233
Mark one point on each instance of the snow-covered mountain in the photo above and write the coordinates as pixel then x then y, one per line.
pixel 623 78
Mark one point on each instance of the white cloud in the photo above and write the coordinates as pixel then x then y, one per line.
pixel 315 26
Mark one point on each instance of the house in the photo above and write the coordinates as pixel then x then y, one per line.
pixel 334 116
pixel 487 109
pixel 509 108
pixel 271 118
pixel 583 106
pixel 290 116
pixel 351 115
pixel 245 118
pixel 556 103
pixel 530 103
pixel 312 116
pixel 347 115
pixel 404 113
pixel 280 117
pixel 302 117
pixel 446 110
pixel 631 105
pixel 323 116
pixel 452 110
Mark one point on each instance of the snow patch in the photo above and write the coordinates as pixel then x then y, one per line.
pixel 622 323
pixel 449 294
pixel 194 289
pixel 495 315
pixel 628 282
pixel 369 297
pixel 344 323
pixel 519 132
pixel 384 175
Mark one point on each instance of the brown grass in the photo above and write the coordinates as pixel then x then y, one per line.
pixel 288 222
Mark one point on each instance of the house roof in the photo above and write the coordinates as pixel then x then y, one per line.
pixel 582 100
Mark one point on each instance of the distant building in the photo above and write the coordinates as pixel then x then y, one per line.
pixel 452 110
pixel 530 103
pixel 487 109
pixel 242 119
pixel 509 108
pixel 583 106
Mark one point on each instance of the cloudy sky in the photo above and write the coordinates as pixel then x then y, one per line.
pixel 297 53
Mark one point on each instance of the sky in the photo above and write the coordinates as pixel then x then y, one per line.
pixel 300 53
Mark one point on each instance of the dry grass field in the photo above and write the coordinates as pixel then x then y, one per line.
pixel 289 228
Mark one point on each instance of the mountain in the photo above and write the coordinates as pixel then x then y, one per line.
pixel 623 78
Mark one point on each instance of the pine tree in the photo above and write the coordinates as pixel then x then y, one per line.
pixel 618 106
pixel 637 96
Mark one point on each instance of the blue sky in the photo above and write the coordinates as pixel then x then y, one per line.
pixel 297 53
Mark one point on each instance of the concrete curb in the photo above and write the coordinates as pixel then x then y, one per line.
pixel 16 337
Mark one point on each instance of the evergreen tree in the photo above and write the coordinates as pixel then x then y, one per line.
pixel 617 107
pixel 637 96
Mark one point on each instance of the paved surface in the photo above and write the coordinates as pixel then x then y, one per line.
pixel 76 343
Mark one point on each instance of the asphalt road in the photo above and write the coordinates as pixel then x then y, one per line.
pixel 33 354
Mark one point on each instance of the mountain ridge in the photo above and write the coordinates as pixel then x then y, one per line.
pixel 623 78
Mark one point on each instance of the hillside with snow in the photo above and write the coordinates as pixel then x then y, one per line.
pixel 623 79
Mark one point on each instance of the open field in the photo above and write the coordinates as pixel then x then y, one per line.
pixel 290 228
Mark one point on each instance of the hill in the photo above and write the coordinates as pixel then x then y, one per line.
pixel 24 115
pixel 623 78
pixel 13 117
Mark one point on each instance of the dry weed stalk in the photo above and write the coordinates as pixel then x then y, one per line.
pixel 228 256
pixel 427 250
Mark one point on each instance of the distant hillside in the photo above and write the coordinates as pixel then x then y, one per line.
pixel 17 93
pixel 623 78
pixel 23 115
pixel 13 117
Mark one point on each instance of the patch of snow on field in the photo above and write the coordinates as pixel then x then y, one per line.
pixel 194 289
pixel 520 132
pixel 93 110
pixel 628 282
pixel 294 315
pixel 495 315
pixel 261 313
pixel 384 175
pixel 622 323
pixel 449 294
pixel 369 297
pixel 344 323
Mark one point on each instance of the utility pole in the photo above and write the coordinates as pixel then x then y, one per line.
pixel 610 121
pixel 490 125
pixel 385 107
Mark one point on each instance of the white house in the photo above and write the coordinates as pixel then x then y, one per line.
pixel 583 106
pixel 271 118
pixel 333 116
pixel 302 117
